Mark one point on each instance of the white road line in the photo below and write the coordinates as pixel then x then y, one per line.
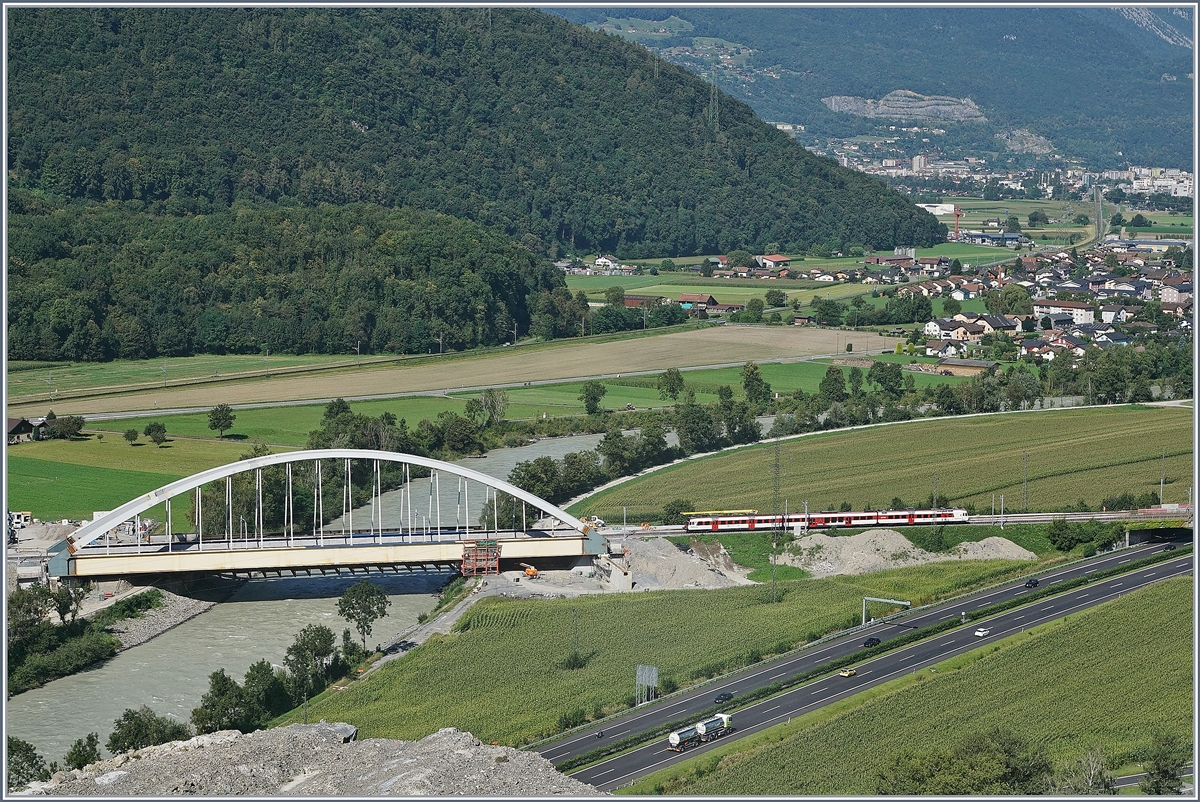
pixel 1082 596
pixel 1127 559
pixel 947 615
pixel 905 657
pixel 1018 593
pixel 777 676
pixel 1149 575
pixel 769 709
pixel 601 774
pixel 1117 584
pixel 1094 570
pixel 1018 618
pixel 819 691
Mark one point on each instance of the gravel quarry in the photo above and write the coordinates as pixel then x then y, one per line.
pixel 880 549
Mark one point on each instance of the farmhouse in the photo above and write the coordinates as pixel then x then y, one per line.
pixel 21 430
pixel 696 300
pixel 634 301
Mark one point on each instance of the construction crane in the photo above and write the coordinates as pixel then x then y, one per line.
pixel 957 214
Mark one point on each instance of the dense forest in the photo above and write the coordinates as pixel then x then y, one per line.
pixel 1100 87
pixel 565 139
pixel 97 281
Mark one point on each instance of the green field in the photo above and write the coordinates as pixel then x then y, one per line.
pixel 977 305
pixel 1073 454
pixel 1065 687
pixel 56 479
pixel 509 652
pixel 726 291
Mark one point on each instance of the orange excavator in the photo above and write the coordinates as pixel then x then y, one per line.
pixel 530 571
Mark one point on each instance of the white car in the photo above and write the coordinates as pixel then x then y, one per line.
pixel 982 632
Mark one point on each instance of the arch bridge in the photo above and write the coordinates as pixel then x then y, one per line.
pixel 413 535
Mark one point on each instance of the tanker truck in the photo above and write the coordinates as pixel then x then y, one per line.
pixel 700 732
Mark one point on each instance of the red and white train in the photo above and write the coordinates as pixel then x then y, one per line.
pixel 748 520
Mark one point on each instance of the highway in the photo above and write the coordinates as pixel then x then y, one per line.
pixel 623 769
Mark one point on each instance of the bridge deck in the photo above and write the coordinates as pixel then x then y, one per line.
pixel 248 556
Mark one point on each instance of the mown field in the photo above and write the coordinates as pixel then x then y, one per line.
pixel 502 677
pixel 726 291
pixel 1074 454
pixel 561 360
pixel 1109 676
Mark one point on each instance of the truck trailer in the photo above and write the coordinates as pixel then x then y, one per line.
pixel 701 732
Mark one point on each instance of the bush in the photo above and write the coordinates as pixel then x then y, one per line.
pixel 576 718
pixel 24 765
pixel 673 512
pixel 83 752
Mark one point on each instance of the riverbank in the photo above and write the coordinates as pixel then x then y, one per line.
pixel 174 610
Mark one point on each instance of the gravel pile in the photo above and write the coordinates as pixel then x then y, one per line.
pixel 174 611
pixel 316 760
pixel 880 549
pixel 658 564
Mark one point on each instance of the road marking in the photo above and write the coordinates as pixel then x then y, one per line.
pixel 1117 584
pixel 1052 581
pixel 769 709
pixel 1018 593
pixel 601 774
pixel 1082 596
pixel 819 691
pixel 948 615
pixel 1094 570
pixel 905 657
pixel 777 676
pixel 1018 618
pixel 1150 575
pixel 1127 559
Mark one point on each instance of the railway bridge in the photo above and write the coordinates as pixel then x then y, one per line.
pixel 243 520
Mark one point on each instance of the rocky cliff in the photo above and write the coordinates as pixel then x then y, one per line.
pixel 909 106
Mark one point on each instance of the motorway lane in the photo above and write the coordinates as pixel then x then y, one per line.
pixel 626 768
pixel 763 674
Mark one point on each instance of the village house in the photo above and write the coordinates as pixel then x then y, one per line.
pixel 21 430
pixel 944 348
pixel 774 260
pixel 1079 311
pixel 1175 293
pixel 696 300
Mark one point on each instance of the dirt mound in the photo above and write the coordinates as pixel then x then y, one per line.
pixel 879 549
pixel 658 564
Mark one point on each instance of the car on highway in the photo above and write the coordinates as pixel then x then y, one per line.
pixel 722 698
pixel 1169 547
pixel 869 642
pixel 982 632
pixel 1031 583
pixel 847 672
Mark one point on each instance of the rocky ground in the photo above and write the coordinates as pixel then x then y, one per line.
pixel 879 549
pixel 317 760
pixel 174 611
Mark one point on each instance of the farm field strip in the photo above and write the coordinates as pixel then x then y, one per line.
pixel 973 455
pixel 825 752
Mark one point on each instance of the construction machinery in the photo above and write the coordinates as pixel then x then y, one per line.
pixel 530 571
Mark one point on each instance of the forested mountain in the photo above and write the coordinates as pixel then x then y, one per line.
pixel 565 139
pixel 95 282
pixel 1107 85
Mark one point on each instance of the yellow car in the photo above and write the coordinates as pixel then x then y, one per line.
pixel 847 672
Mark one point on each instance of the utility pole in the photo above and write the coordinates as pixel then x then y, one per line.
pixel 1025 485
pixel 775 523
pixel 1001 510
pixel 934 505
pixel 514 332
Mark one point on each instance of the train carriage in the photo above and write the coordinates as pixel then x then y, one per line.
pixel 824 520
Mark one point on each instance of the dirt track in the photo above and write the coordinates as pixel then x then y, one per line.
pixel 717 345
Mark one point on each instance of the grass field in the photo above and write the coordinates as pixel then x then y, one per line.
pixel 55 479
pixel 509 652
pixel 1065 687
pixel 1073 454
pixel 726 291
pixel 562 360
pixel 972 305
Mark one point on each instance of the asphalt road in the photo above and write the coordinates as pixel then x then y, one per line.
pixel 623 769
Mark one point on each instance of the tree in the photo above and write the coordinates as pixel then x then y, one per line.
pixel 473 409
pixel 753 311
pixel 221 418
pixel 694 425
pixel 363 604
pixel 1081 220
pixel 1087 775
pixel 1164 760
pixel 65 428
pixel 84 752
pixel 1117 220
pixel 833 386
pixel 855 381
pixel 741 258
pixel 956 267
pixel 143 727
pixel 494 402
pixel 223 707
pixel 306 658
pixel 757 390
pixel 951 307
pixel 131 436
pixel 615 296
pixel 667 265
pixel 590 394
pixel 1038 218
pixel 1139 221
pixel 776 298
pixel 24 764
pixel 670 384
pixel 887 376
pixel 265 693
pixel 27 609
pixel 1012 225
pixel 673 512
pixel 157 432
pixel 991 762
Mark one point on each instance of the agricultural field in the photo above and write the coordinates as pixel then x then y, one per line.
pixel 562 360
pixel 1080 682
pixel 511 652
pixel 977 305
pixel 726 291
pixel 1074 454
pixel 1171 226
pixel 57 479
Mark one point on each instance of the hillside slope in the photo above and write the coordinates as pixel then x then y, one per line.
pixel 566 139
pixel 1087 79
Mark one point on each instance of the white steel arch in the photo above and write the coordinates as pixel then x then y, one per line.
pixel 92 530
